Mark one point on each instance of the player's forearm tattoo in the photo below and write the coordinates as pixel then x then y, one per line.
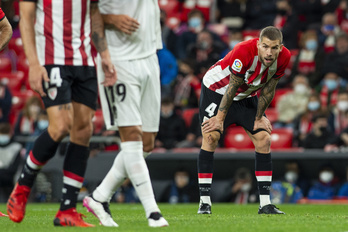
pixel 266 96
pixel 227 99
pixel 98 35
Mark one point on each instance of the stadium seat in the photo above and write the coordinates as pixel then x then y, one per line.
pixel 14 80
pixel 98 121
pixel 16 45
pixel 5 64
pixel 281 138
pixel 172 9
pixel 236 137
pixel 278 94
pixel 187 115
pixel 19 98
pixel 250 34
pixel 272 115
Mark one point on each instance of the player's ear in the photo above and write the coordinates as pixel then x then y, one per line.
pixel 281 47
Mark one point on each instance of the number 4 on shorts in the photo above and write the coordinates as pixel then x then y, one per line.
pixel 211 109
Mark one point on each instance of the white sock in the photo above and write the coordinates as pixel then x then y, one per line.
pixel 264 200
pixel 138 173
pixel 112 181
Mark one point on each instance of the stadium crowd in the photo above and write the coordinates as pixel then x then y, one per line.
pixel 309 110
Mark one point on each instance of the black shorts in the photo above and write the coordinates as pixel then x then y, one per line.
pixel 242 113
pixel 71 83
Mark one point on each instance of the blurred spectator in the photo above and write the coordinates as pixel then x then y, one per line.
pixel 196 24
pixel 172 127
pixel 187 87
pixel 320 134
pixel 205 52
pixel 10 160
pixel 337 56
pixel 303 123
pixel 343 191
pixel 292 104
pixel 308 11
pixel 339 142
pixel 181 190
pixel 169 37
pixel 41 125
pixel 342 15
pixel 242 189
pixel 5 103
pixel 258 15
pixel 234 37
pixel 27 119
pixel 338 120
pixel 126 193
pixel 325 188
pixel 329 30
pixel 232 13
pixel 310 58
pixel 287 21
pixel 168 70
pixel 194 135
pixel 329 89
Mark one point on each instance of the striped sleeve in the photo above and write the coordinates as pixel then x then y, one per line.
pixel 2 14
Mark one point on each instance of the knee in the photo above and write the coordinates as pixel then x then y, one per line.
pixel 148 147
pixel 83 131
pixel 59 131
pixel 263 145
pixel 211 139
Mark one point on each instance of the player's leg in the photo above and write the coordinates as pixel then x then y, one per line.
pixel 84 98
pixel 60 113
pixel 263 170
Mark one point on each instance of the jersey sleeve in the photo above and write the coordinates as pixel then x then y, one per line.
pixel 284 59
pixel 236 60
pixel 2 15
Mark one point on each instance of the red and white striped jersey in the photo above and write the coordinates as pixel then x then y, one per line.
pixel 2 14
pixel 63 32
pixel 243 61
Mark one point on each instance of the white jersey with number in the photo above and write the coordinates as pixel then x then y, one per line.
pixel 142 43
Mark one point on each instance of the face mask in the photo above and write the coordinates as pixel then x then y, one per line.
pixel 326 176
pixel 246 187
pixel 4 139
pixel 34 109
pixel 204 45
pixel 167 114
pixel 331 84
pixel 194 22
pixel 312 106
pixel 311 44
pixel 329 27
pixel 342 105
pixel 291 176
pixel 42 124
pixel 233 43
pixel 323 129
pixel 300 89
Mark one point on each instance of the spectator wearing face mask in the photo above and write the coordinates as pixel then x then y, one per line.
pixel 328 31
pixel 326 187
pixel 195 24
pixel 27 119
pixel 310 58
pixel 292 104
pixel 329 89
pixel 303 123
pixel 338 120
pixel 9 160
pixel 172 127
pixel 320 134
pixel 234 37
pixel 288 190
pixel 242 189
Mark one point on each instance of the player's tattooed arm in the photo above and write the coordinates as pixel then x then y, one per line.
pixel 266 96
pixel 98 34
pixel 227 99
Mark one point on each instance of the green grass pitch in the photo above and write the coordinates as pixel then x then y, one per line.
pixel 184 217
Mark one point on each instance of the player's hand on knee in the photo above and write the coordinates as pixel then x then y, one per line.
pixel 212 124
pixel 263 123
pixel 37 74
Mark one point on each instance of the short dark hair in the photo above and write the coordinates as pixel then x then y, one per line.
pixel 5 128
pixel 272 33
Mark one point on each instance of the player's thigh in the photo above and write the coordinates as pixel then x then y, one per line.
pixel 150 93
pixel 261 141
pixel 83 116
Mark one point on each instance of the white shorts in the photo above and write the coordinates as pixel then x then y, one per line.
pixel 136 98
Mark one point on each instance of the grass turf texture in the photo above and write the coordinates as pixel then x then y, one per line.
pixel 184 217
